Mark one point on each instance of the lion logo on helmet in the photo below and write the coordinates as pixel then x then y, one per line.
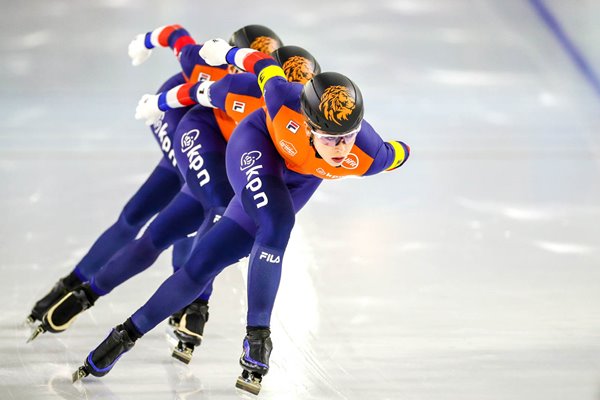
pixel 265 44
pixel 337 104
pixel 298 69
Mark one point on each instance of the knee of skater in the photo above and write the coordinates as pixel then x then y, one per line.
pixel 275 230
pixel 158 238
pixel 130 219
pixel 193 273
pixel 202 265
pixel 148 244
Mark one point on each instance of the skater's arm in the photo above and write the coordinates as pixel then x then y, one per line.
pixel 270 76
pixel 184 47
pixel 173 36
pixel 238 95
pixel 151 106
pixel 387 155
pixel 217 52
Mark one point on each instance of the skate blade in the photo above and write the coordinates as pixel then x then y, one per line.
pixel 37 332
pixel 251 385
pixel 79 374
pixel 171 338
pixel 185 356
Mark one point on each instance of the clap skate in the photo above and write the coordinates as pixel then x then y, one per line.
pixel 254 360
pixel 60 288
pixel 101 360
pixel 190 330
pixel 62 314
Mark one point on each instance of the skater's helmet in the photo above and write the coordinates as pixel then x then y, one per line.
pixel 257 37
pixel 332 105
pixel 297 63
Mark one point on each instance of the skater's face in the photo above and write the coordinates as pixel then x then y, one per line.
pixel 332 148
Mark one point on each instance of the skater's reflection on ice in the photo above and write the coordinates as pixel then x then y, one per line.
pixel 62 385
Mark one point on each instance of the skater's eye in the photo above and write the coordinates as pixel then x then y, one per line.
pixel 333 140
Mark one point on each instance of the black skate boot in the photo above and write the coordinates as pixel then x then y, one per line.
pixel 62 314
pixel 101 360
pixel 62 287
pixel 190 330
pixel 255 359
pixel 175 318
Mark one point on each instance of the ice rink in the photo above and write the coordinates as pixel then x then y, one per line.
pixel 473 272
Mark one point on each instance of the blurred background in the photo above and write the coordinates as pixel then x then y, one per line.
pixel 469 273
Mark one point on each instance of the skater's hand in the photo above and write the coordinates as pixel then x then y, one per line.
pixel 147 109
pixel 137 50
pixel 214 51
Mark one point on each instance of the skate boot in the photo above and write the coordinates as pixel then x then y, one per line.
pixel 255 359
pixel 101 360
pixel 62 287
pixel 190 330
pixel 62 314
pixel 175 318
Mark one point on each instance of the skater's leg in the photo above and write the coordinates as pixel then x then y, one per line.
pixel 158 190
pixel 182 248
pixel 164 182
pixel 181 251
pixel 173 223
pixel 256 172
pixel 224 244
pixel 155 193
pixel 160 187
pixel 201 159
pixel 207 292
pixel 202 299
pixel 259 183
pixel 189 322
pixel 181 217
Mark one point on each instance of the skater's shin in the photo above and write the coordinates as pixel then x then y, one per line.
pixel 132 330
pixel 174 294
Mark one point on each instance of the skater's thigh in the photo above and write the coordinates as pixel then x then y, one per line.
pixel 222 245
pixel 154 194
pixel 200 154
pixel 256 172
pixel 179 218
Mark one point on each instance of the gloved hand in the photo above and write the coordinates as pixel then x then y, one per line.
pixel 148 110
pixel 137 50
pixel 214 51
